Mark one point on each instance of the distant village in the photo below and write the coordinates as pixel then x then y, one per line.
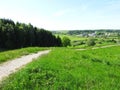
pixel 90 33
pixel 97 34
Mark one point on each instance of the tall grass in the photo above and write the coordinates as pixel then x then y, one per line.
pixel 67 69
pixel 8 55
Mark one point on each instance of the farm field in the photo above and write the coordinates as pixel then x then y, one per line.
pixel 71 37
pixel 81 42
pixel 69 69
pixel 12 54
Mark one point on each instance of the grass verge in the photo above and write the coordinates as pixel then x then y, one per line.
pixel 12 54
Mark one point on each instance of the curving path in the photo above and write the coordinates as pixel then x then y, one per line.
pixel 100 47
pixel 12 66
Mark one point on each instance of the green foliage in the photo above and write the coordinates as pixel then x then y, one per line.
pixel 59 41
pixel 66 41
pixel 118 35
pixel 91 42
pixel 78 42
pixel 67 69
pixel 71 37
pixel 18 35
pixel 8 55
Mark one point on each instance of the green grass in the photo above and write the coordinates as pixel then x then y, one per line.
pixel 11 54
pixel 68 69
pixel 99 41
pixel 72 37
pixel 84 46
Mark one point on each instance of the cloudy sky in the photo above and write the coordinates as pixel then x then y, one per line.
pixel 64 14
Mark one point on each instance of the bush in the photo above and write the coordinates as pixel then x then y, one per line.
pixel 91 42
pixel 66 41
pixel 76 43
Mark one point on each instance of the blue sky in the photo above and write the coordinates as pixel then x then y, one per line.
pixel 64 14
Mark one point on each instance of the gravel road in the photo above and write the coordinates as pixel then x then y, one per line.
pixel 13 65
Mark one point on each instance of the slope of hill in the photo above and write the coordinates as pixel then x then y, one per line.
pixel 68 69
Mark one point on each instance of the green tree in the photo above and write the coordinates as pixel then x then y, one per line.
pixel 91 42
pixel 66 41
pixel 118 35
pixel 58 41
pixel 17 35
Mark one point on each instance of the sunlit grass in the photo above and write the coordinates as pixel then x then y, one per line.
pixel 72 37
pixel 11 54
pixel 68 69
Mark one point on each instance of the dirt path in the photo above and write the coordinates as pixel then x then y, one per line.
pixel 12 66
pixel 99 47
pixel 105 46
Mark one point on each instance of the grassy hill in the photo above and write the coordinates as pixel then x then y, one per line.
pixel 70 69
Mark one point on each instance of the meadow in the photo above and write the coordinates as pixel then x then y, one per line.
pixel 12 54
pixel 81 42
pixel 71 37
pixel 69 69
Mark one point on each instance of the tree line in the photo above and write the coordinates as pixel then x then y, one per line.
pixel 77 32
pixel 17 35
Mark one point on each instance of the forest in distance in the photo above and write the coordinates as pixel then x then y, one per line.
pixel 17 35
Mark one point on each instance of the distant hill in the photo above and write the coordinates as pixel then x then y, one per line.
pixel 76 32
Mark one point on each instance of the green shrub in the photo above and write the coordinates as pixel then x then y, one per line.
pixel 66 41
pixel 91 42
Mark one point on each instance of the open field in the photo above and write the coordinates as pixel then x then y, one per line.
pixel 72 37
pixel 80 42
pixel 69 69
pixel 8 55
